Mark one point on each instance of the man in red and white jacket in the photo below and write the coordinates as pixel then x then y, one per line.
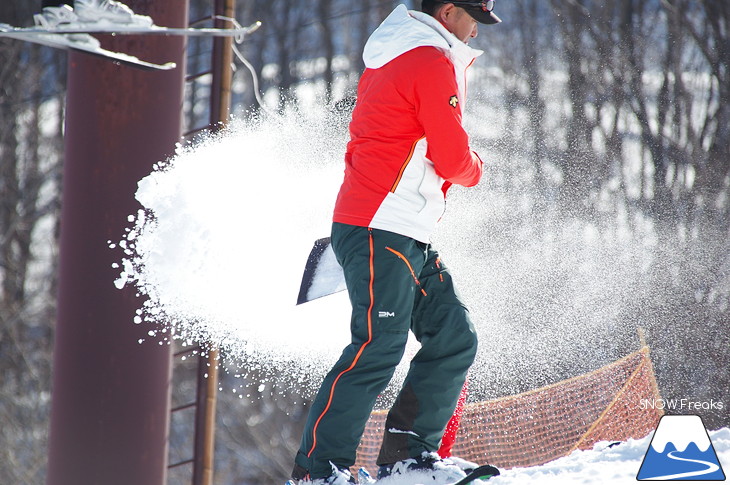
pixel 407 148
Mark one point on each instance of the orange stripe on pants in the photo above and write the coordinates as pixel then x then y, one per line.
pixel 359 352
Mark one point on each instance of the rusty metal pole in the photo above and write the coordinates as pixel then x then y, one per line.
pixel 203 465
pixel 220 107
pixel 222 60
pixel 111 395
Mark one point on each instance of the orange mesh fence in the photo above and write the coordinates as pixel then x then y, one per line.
pixel 538 426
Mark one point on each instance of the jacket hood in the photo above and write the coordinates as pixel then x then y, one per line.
pixel 404 30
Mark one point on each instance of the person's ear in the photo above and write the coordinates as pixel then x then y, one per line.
pixel 445 13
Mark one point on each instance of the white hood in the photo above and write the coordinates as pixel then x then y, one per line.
pixel 404 30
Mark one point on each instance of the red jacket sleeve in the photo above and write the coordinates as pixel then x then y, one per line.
pixel 438 108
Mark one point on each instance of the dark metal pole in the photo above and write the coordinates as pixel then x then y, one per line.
pixel 203 466
pixel 222 71
pixel 220 107
pixel 110 399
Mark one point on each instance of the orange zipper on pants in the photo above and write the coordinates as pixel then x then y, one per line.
pixel 410 268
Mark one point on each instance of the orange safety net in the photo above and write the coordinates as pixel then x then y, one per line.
pixel 538 426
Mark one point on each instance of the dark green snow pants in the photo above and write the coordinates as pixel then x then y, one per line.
pixel 396 284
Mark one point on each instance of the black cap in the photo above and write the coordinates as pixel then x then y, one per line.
pixel 480 11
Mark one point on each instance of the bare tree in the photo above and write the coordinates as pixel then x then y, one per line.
pixel 31 93
pixel 324 9
pixel 711 147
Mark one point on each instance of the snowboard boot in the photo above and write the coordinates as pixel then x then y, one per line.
pixel 339 476
pixel 428 468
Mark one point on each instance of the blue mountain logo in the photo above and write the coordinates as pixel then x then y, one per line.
pixel 681 450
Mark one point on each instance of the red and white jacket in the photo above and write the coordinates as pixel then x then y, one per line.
pixel 407 144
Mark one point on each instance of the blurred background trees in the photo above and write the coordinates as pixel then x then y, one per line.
pixel 605 111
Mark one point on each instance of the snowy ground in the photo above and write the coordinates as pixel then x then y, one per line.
pixel 616 465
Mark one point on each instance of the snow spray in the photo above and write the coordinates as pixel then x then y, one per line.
pixel 227 224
